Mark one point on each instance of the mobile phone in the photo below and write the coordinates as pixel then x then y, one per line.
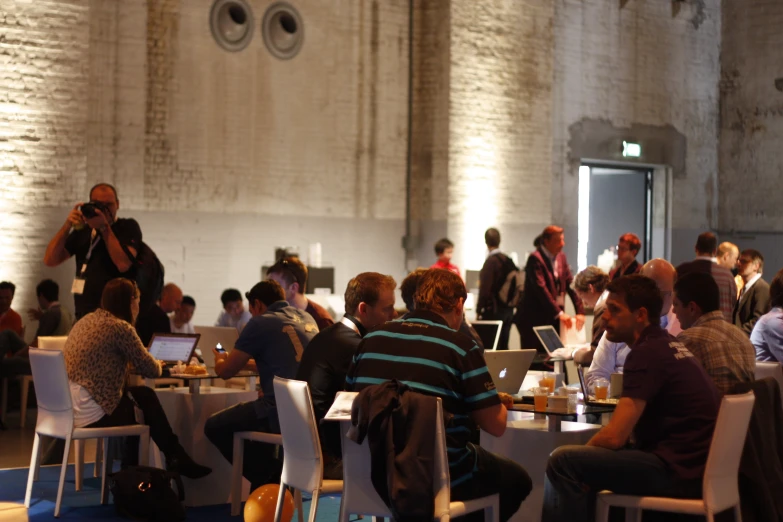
pixel 220 348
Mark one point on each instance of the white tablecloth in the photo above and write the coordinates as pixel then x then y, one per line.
pixel 187 414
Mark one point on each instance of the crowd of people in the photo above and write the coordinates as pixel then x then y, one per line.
pixel 682 336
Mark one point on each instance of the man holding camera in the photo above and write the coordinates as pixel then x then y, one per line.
pixel 104 246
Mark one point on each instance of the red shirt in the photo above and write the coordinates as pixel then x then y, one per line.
pixel 446 266
pixel 12 321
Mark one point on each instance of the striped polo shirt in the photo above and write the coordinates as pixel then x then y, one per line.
pixel 424 353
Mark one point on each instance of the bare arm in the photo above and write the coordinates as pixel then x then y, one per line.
pixel 226 366
pixel 492 419
pixel 118 255
pixel 616 434
pixel 56 253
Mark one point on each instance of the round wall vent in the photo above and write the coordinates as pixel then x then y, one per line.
pixel 283 30
pixel 231 22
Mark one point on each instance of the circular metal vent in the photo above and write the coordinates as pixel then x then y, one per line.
pixel 283 30
pixel 231 22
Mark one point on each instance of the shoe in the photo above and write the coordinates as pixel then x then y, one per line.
pixel 187 467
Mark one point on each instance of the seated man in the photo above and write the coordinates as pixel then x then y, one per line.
pixel 434 359
pixel 369 302
pixel 275 339
pixel 156 319
pixel 9 319
pixel 291 274
pixel 767 335
pixel 609 357
pixel 234 314
pixel 53 318
pixel 180 319
pixel 669 404
pixel 723 349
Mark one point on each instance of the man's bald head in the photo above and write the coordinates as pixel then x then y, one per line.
pixel 664 275
pixel 170 298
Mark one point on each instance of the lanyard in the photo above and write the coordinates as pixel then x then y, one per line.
pixel 350 324
pixel 97 238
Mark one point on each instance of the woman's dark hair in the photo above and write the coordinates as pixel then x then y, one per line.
pixel 118 294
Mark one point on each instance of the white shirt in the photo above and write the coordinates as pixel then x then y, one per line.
pixel 186 328
pixel 225 319
pixel 708 258
pixel 749 284
pixel 85 409
pixel 493 252
pixel 610 357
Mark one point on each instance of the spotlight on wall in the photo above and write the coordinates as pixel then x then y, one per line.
pixel 283 30
pixel 779 84
pixel 231 23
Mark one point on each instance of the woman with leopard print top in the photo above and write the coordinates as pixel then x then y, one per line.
pixel 98 352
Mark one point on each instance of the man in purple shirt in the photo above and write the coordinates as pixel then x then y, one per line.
pixel 669 404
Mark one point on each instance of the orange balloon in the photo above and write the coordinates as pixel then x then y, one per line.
pixel 261 504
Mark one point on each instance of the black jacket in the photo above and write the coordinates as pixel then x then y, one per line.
pixel 751 306
pixel 397 423
pixel 761 467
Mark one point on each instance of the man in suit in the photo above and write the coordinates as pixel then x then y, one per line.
pixel 547 281
pixel 707 262
pixel 754 299
pixel 628 247
pixel 488 306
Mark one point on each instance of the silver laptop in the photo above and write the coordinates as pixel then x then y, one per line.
pixel 489 332
pixel 211 337
pixel 508 368
pixel 549 338
pixel 171 348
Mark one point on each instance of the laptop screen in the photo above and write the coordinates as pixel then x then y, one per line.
pixel 173 347
pixel 489 333
pixel 549 338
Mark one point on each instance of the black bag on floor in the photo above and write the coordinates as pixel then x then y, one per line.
pixel 144 493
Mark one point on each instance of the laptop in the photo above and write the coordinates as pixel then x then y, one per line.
pixel 508 368
pixel 171 348
pixel 489 332
pixel 211 336
pixel 551 339
pixel 590 399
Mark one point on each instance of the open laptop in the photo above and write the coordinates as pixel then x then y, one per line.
pixel 508 369
pixel 489 332
pixel 171 348
pixel 211 336
pixel 590 399
pixel 551 339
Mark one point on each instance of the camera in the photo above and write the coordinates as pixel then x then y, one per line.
pixel 88 209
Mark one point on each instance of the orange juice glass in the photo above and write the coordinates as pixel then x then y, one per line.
pixel 601 389
pixel 548 381
pixel 540 396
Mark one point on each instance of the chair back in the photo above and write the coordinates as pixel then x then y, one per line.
pixel 52 343
pixel 53 393
pixel 303 463
pixel 441 476
pixel 720 475
pixel 770 369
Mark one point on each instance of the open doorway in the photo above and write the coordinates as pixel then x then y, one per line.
pixel 613 200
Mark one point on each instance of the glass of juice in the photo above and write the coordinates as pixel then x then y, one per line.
pixel 540 396
pixel 548 381
pixel 601 389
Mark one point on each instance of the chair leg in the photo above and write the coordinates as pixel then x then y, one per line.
pixel 104 472
pixel 78 462
pixel 299 505
pixel 633 515
pixel 601 510
pixel 98 457
pixel 25 385
pixel 144 449
pixel 737 513
pixel 4 404
pixel 236 475
pixel 38 459
pixel 156 460
pixel 492 514
pixel 280 499
pixel 313 505
pixel 63 469
pixel 35 462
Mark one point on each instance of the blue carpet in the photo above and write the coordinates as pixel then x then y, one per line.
pixel 85 504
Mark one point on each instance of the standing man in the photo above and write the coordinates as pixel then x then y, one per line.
pixel 156 318
pixel 444 249
pixel 101 243
pixel 754 298
pixel 628 247
pixel 547 281
pixel 369 303
pixel 491 277
pixel 707 262
pixel 9 319
pixel 291 274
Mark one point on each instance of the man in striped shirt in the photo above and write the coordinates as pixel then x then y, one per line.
pixel 425 351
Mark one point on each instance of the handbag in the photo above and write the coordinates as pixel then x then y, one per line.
pixel 144 493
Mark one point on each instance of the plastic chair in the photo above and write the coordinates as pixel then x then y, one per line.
pixel 239 455
pixel 360 497
pixel 303 466
pixel 720 489
pixel 13 512
pixel 770 369
pixel 55 419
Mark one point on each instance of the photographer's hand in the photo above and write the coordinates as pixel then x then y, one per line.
pixel 75 217
pixel 99 222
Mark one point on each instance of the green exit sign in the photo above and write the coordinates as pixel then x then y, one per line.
pixel 631 150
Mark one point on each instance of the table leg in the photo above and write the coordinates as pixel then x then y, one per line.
pixel 194 385
pixel 553 423
pixel 559 366
pixel 251 383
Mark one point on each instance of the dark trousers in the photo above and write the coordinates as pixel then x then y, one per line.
pixel 575 474
pixel 259 465
pixel 123 415
pixel 505 315
pixel 494 474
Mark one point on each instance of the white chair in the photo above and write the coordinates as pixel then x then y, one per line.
pixel 360 497
pixel 55 419
pixel 52 343
pixel 239 454
pixel 720 490
pixel 303 466
pixel 770 369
